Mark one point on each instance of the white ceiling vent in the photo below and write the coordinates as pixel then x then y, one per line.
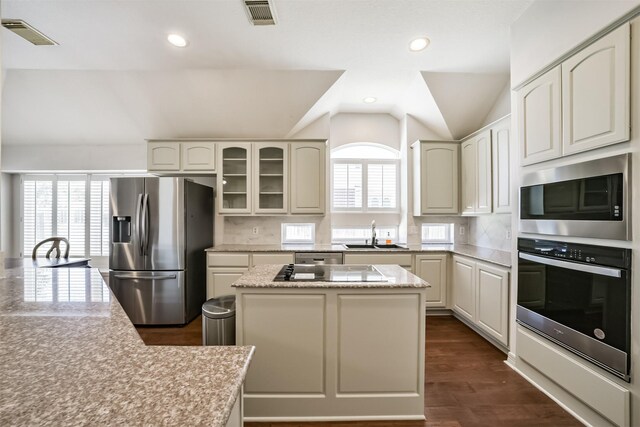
pixel 27 32
pixel 261 12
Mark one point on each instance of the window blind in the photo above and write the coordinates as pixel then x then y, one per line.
pixel 347 185
pixel 99 218
pixel 381 186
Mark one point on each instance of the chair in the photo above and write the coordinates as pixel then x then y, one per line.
pixel 55 245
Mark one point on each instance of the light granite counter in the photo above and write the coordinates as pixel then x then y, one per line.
pixel 484 254
pixel 70 356
pixel 396 277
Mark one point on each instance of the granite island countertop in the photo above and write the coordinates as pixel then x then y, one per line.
pixel 484 254
pixel 70 356
pixel 262 276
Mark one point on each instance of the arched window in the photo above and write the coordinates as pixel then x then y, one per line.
pixel 364 178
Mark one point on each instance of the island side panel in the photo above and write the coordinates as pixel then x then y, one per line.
pixel 353 391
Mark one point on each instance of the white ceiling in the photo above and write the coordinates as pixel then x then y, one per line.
pixel 113 52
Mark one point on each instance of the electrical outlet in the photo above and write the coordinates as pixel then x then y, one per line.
pixel 256 230
pixel 462 230
pixel 509 233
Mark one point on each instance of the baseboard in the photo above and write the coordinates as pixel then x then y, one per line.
pixel 439 312
pixel 484 335
pixel 338 418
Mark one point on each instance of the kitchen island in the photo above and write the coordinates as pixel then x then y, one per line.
pixel 333 350
pixel 70 356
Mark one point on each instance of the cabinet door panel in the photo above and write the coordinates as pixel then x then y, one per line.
pixel 199 156
pixel 492 301
pixel 235 178
pixel 272 258
pixel 538 114
pixel 163 156
pixel 271 180
pixel 433 270
pixel 464 287
pixel 595 93
pixel 219 281
pixel 439 178
pixel 308 181
pixel 483 172
pixel 501 161
pixel 469 176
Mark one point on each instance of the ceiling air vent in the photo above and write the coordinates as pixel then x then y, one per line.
pixel 27 32
pixel 260 12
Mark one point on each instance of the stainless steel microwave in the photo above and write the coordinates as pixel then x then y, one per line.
pixel 588 199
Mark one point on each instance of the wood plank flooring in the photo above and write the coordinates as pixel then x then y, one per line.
pixel 467 382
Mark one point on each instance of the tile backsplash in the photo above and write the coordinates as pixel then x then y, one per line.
pixel 239 229
pixel 491 231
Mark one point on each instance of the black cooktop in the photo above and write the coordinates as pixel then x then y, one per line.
pixel 329 273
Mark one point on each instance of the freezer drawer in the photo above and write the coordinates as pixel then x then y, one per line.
pixel 151 298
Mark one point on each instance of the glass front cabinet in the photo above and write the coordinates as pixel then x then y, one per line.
pixel 234 179
pixel 270 162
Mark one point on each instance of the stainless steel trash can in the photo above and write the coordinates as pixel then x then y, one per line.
pixel 219 321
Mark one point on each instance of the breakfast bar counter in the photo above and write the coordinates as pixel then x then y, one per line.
pixel 70 356
pixel 333 350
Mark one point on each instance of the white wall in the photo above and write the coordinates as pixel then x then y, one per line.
pixel 357 127
pixel 548 29
pixel 501 108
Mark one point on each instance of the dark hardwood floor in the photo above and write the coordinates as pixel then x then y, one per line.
pixel 467 382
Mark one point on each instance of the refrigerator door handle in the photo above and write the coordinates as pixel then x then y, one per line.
pixel 145 220
pixel 141 277
pixel 139 223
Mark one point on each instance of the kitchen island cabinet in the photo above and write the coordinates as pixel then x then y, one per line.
pixel 333 350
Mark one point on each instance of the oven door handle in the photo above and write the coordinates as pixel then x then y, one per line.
pixel 602 271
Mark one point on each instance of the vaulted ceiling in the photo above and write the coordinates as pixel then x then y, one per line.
pixel 115 79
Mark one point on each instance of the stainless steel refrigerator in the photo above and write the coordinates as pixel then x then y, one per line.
pixel 160 228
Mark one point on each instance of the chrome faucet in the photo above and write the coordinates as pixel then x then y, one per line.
pixel 374 241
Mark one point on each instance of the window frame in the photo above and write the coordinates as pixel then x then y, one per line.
pixel 379 230
pixel 284 225
pixel 450 234
pixel 54 178
pixel 365 180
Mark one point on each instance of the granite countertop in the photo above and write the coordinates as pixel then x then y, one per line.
pixel 262 276
pixel 70 356
pixel 484 254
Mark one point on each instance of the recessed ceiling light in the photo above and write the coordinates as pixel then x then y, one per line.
pixel 418 44
pixel 177 40
pixel 369 100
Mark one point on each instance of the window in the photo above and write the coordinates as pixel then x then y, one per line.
pixel 360 234
pixel 365 177
pixel 298 233
pixel 437 233
pixel 71 206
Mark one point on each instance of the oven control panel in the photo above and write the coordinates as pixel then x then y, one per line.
pixel 576 252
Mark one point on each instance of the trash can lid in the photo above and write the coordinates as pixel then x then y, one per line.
pixel 220 307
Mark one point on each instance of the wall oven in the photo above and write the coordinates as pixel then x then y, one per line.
pixel 578 296
pixel 588 199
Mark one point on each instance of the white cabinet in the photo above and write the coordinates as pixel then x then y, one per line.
pixel 181 156
pixel 538 106
pixel 308 177
pixel 234 181
pixel 492 301
pixel 463 287
pixel 223 269
pixel 476 174
pixel 595 93
pixel 271 168
pixel 435 177
pixel 433 270
pixel 481 296
pixel 501 165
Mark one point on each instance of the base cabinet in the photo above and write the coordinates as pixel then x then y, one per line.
pixel 433 270
pixel 481 296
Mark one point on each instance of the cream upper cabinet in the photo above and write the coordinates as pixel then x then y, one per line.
pixel 468 175
pixel 433 270
pixel 234 179
pixel 476 174
pixel 198 156
pixel 163 156
pixel 538 106
pixel 435 183
pixel 308 177
pixel 595 93
pixel 500 141
pixel 181 156
pixel 492 301
pixel 463 287
pixel 271 180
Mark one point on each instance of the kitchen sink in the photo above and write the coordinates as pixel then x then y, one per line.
pixel 356 246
